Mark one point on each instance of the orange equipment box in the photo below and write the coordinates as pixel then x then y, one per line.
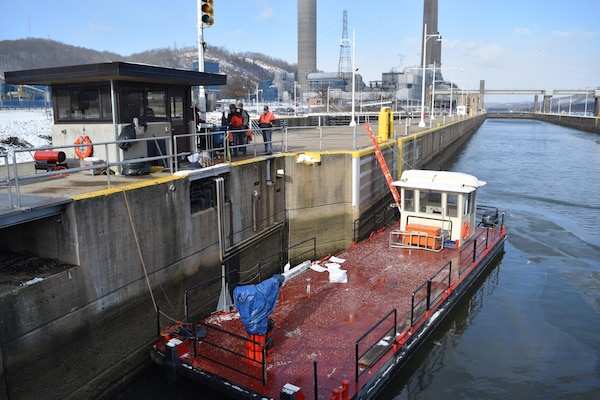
pixel 423 236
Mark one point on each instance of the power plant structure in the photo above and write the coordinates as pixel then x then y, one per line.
pixel 402 89
pixel 307 43
pixel 433 53
pixel 345 62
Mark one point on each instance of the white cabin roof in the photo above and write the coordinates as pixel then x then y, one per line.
pixel 442 181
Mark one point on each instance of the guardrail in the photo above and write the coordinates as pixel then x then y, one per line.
pixel 378 346
pixel 427 296
pixel 218 149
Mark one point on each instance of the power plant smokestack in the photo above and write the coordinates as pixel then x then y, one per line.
pixel 434 47
pixel 307 42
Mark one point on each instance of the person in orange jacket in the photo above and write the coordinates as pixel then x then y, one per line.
pixel 265 123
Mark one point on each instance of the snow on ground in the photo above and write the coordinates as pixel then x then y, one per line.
pixel 24 129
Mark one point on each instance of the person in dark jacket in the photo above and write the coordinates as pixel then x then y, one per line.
pixel 235 124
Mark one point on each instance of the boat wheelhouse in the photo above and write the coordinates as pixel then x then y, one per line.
pixel 438 209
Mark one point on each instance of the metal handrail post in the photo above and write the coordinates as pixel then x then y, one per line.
pixel 8 185
pixel 15 170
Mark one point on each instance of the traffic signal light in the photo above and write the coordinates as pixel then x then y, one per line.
pixel 208 13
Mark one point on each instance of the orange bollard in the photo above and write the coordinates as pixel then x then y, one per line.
pixel 336 394
pixel 345 389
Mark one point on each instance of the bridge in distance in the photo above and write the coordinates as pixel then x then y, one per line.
pixel 546 94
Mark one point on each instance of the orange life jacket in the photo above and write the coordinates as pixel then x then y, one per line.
pixel 236 121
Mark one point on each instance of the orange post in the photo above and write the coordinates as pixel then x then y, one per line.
pixel 254 350
pixel 345 389
pixel 336 394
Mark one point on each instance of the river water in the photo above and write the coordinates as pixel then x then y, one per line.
pixel 532 329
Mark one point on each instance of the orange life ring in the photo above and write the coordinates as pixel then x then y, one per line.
pixel 86 150
pixel 466 229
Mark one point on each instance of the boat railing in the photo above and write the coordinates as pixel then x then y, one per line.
pixel 417 240
pixel 475 249
pixel 427 296
pixel 380 338
pixel 209 347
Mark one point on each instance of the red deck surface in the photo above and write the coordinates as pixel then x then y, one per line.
pixel 325 326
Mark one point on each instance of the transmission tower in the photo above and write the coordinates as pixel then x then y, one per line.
pixel 344 65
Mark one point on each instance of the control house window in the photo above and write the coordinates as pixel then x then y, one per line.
pixel 77 104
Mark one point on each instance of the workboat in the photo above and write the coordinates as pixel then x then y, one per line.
pixel 340 326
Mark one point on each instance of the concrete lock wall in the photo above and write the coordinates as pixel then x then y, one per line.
pixel 93 322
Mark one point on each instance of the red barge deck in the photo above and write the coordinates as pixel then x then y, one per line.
pixel 335 340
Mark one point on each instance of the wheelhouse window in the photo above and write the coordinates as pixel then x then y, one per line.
pixel 451 205
pixel 430 201
pixel 409 200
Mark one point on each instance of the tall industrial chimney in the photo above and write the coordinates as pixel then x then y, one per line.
pixel 307 42
pixel 434 47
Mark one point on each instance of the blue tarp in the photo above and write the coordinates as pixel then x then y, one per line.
pixel 256 302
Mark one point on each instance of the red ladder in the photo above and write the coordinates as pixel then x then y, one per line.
pixel 383 165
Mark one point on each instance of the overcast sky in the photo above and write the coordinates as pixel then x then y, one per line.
pixel 525 44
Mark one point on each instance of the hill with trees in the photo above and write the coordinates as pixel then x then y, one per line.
pixel 243 69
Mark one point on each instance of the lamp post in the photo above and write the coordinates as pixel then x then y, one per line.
pixel 451 87
pixel 432 113
pixel 257 91
pixel 353 121
pixel 426 37
pixel 296 86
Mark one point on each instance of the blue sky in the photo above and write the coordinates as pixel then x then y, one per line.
pixel 526 44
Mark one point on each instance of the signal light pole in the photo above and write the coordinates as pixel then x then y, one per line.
pixel 205 20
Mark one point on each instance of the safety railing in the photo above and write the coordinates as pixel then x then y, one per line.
pixel 417 240
pixel 476 249
pixel 17 179
pixel 213 345
pixel 209 148
pixel 381 337
pixel 233 355
pixel 430 293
